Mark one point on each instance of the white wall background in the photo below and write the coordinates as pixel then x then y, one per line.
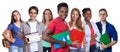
pixel 7 6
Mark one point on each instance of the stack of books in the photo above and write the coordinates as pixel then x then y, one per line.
pixel 63 36
pixel 33 37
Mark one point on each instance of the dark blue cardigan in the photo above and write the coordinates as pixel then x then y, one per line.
pixel 110 29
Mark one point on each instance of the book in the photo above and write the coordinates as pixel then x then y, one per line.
pixel 77 35
pixel 105 39
pixel 33 37
pixel 64 36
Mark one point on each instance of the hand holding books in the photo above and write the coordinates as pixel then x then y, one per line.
pixel 63 37
pixel 76 44
pixel 77 36
pixel 104 40
pixel 63 44
pixel 103 46
pixel 33 37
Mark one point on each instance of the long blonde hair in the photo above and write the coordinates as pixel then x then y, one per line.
pixel 44 20
pixel 78 22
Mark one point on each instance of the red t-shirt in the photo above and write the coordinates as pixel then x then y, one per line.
pixel 57 26
pixel 92 34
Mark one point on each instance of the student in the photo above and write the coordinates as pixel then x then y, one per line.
pixel 47 17
pixel 91 31
pixel 14 26
pixel 105 26
pixel 76 23
pixel 56 26
pixel 31 26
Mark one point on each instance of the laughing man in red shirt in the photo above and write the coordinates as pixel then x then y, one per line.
pixel 56 26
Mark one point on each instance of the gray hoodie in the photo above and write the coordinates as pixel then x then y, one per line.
pixel 25 29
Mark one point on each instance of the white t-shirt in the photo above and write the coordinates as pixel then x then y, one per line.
pixel 103 28
pixel 103 31
pixel 34 45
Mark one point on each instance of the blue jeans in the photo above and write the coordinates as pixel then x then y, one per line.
pixel 15 49
pixel 81 50
pixel 98 50
pixel 93 48
pixel 77 50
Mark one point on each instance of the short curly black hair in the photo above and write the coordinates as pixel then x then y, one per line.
pixel 63 4
pixel 85 10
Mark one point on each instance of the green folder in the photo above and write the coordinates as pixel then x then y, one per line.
pixel 105 39
pixel 63 36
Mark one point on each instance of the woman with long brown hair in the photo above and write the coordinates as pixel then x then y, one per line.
pixel 76 23
pixel 14 26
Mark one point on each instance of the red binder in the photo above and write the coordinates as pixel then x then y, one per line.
pixel 77 35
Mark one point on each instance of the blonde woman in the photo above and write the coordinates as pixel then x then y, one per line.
pixel 47 17
pixel 76 23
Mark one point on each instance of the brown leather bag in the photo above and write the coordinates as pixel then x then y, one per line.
pixel 5 42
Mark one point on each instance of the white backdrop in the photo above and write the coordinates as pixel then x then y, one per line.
pixel 7 6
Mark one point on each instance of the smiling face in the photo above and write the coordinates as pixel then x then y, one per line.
pixel 74 15
pixel 87 15
pixel 102 15
pixel 63 12
pixel 48 15
pixel 33 14
pixel 16 16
